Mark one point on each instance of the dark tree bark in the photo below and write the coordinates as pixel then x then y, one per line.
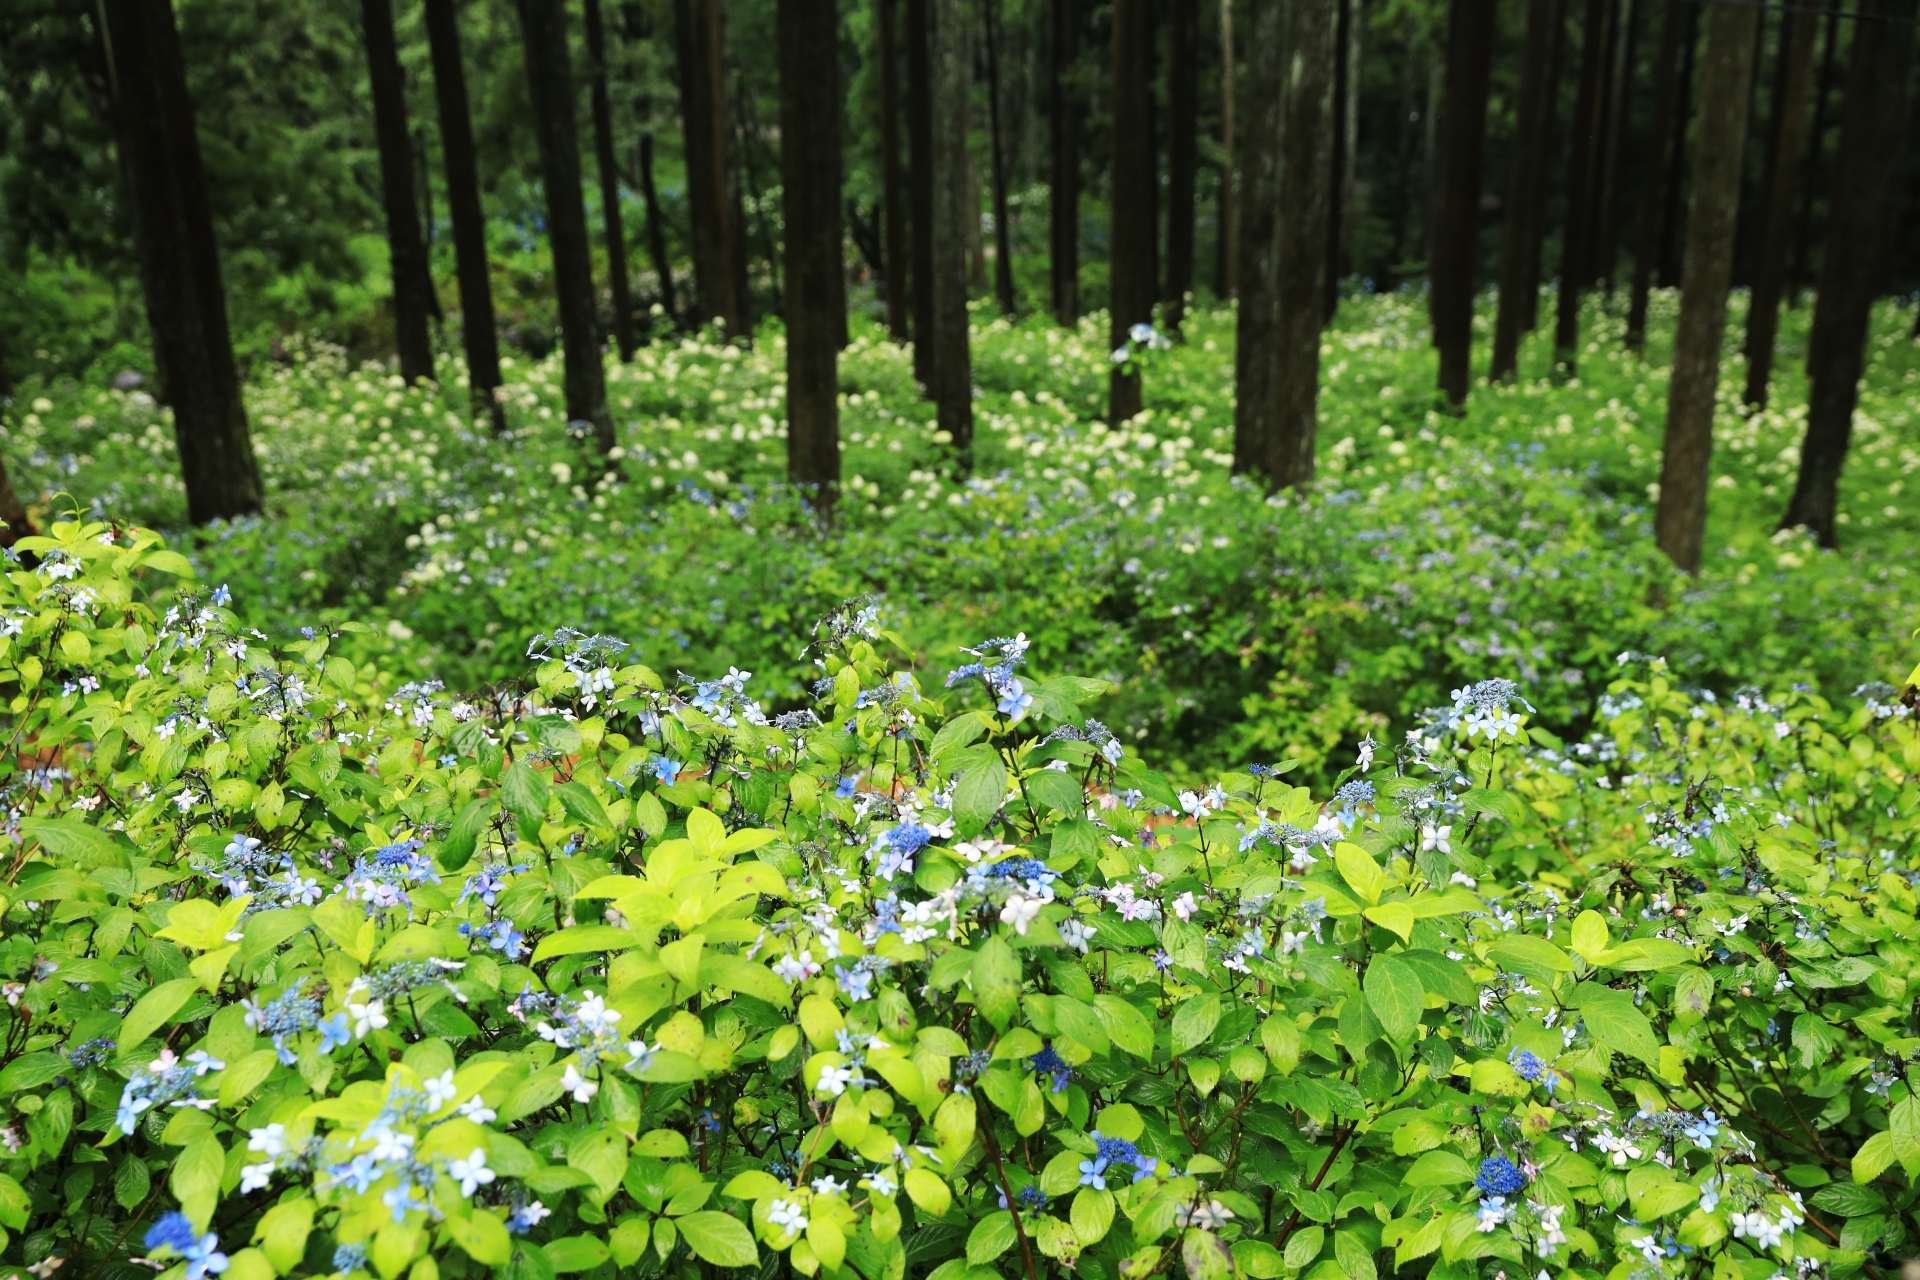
pixel 997 159
pixel 15 523
pixel 1526 186
pixel 424 170
pixel 747 176
pixel 894 253
pixel 609 184
pixel 948 78
pixel 656 227
pixel 921 169
pixel 808 36
pixel 1680 520
pixel 543 33
pixel 1575 250
pixel 1787 134
pixel 1257 338
pixel 1343 196
pixel 1666 58
pixel 1065 119
pixel 1226 246
pixel 1135 195
pixel 712 203
pixel 179 261
pixel 1306 179
pixel 412 285
pixel 1607 211
pixel 1456 196
pixel 1549 132
pixel 477 333
pixel 1873 124
pixel 1183 155
pixel 1816 150
pixel 1671 216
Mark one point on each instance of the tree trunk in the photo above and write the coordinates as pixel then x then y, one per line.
pixel 1183 155
pixel 921 169
pixel 1873 121
pixel 1257 336
pixel 1226 247
pixel 1064 120
pixel 1670 215
pixel 948 78
pixel 1343 200
pixel 1680 521
pixel 15 523
pixel 1811 185
pixel 744 181
pixel 808 38
pixel 179 261
pixel 1456 197
pixel 1543 176
pixel 1526 186
pixel 1306 179
pixel 1580 184
pixel 1134 197
pixel 1652 188
pixel 894 254
pixel 412 285
pixel 425 172
pixel 997 159
pixel 1607 212
pixel 477 333
pixel 712 203
pixel 1786 136
pixel 543 31
pixel 656 228
pixel 609 184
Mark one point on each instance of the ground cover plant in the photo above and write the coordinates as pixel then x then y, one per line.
pixel 315 970
pixel 1515 540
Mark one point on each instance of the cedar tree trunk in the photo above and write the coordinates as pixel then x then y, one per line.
pixel 1788 134
pixel 609 184
pixel 997 158
pixel 1666 60
pixel 1226 247
pixel 1134 194
pixel 808 37
pixel 1183 155
pixel 948 79
pixel 412 283
pixel 1526 187
pixel 1256 338
pixel 921 170
pixel 1671 214
pixel 656 227
pixel 1580 184
pixel 894 254
pixel 712 205
pixel 1306 177
pixel 1456 197
pixel 1064 119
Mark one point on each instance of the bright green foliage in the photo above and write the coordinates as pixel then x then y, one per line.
pixel 609 971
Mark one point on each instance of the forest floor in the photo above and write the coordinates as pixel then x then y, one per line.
pixel 1515 540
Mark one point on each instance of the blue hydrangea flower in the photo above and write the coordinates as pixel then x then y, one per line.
pixel 1499 1177
pixel 1048 1062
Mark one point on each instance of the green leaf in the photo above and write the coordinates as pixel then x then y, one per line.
pixel 576 1253
pixel 1358 868
pixel 719 1238
pixel 1395 996
pixel 525 794
pixel 69 839
pixel 32 1071
pixel 978 795
pixel 992 1236
pixel 1304 1245
pixel 1904 1126
pixel 131 1181
pixel 154 1008
pixel 1614 1023
pixel 1873 1157
pixel 1438 1168
pixel 282 1233
pixel 996 981
pixel 1194 1021
pixel 1205 1255
pixel 1525 952
pixel 482 1235
pixel 1052 789
pixel 583 938
pixel 1849 1200
pixel 1441 976
pixel 1126 1026
pixel 584 806
pixel 1092 1214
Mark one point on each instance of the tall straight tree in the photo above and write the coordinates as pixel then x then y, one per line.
pixel 921 171
pixel 1343 196
pixel 1256 336
pixel 1134 202
pixel 1537 245
pixel 997 159
pixel 611 224
pixel 808 36
pixel 1183 154
pixel 1526 186
pixel 948 79
pixel 412 283
pixel 1306 181
pixel 543 36
pixel 1726 74
pixel 1811 185
pixel 719 242
pixel 1226 246
pixel 656 227
pixel 179 263
pixel 1581 179
pixel 1666 70
pixel 477 334
pixel 894 254
pixel 1456 196
pixel 1873 124
pixel 1606 216
pixel 1065 119
pixel 1786 135
pixel 1671 215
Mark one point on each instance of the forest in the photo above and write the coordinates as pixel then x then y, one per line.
pixel 1294 619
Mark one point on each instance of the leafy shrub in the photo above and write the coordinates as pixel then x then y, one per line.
pixel 310 971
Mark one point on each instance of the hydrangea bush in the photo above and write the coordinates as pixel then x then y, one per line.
pixel 310 971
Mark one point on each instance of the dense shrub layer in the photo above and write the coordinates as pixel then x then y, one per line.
pixel 311 971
